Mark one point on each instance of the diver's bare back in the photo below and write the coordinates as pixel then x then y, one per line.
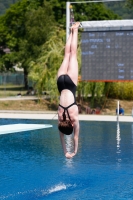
pixel 67 99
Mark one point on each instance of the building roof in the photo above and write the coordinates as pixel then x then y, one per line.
pixel 107 25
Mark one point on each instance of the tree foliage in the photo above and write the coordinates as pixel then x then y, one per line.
pixel 121 8
pixel 5 4
pixel 122 90
pixel 129 3
pixel 43 71
pixel 27 24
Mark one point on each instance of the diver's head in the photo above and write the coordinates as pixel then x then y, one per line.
pixel 65 127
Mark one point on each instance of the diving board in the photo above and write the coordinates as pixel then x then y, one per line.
pixel 13 128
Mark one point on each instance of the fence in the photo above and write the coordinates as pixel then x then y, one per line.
pixel 11 78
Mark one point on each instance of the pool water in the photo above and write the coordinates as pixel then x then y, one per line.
pixel 32 164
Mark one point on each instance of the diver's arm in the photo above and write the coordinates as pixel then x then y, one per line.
pixel 76 137
pixel 63 142
pixel 67 155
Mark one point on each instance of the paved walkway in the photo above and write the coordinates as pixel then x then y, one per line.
pixel 53 115
pixel 18 98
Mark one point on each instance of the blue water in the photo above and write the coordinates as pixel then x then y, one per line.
pixel 32 164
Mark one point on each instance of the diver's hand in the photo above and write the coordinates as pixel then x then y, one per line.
pixel 73 154
pixel 68 155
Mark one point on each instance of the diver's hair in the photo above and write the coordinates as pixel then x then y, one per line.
pixel 65 127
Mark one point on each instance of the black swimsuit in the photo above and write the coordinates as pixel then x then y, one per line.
pixel 65 82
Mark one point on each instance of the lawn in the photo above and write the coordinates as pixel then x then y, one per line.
pixel 12 90
pixel 42 104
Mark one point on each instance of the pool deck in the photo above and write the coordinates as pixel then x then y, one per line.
pixel 11 114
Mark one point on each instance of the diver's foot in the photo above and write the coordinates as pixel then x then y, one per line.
pixel 76 25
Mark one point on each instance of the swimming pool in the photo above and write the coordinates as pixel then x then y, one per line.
pixel 32 164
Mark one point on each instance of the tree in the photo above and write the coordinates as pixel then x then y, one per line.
pixel 82 11
pixel 27 28
pixel 44 71
pixel 5 4
pixel 130 3
pixel 121 8
pixel 37 31
pixel 93 11
pixel 12 30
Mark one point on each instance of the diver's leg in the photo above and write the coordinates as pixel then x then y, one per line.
pixel 73 64
pixel 64 66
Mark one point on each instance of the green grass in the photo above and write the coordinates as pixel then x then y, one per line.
pixel 11 90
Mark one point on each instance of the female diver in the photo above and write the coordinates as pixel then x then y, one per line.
pixel 67 79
